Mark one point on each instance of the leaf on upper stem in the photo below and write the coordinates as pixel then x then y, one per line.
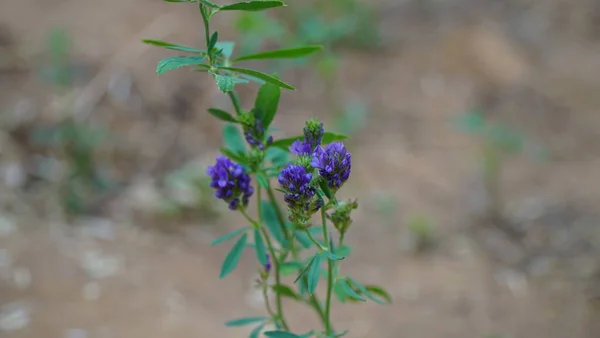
pixel 175 62
pixel 222 115
pixel 288 53
pixel 260 75
pixel 252 6
pixel 267 102
pixel 173 46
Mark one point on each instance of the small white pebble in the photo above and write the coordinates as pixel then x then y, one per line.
pixel 91 291
pixel 76 333
pixel 7 226
pixel 14 319
pixel 22 278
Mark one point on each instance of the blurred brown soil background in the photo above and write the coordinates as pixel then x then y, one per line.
pixel 125 272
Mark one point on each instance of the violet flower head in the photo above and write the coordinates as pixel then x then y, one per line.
pixel 334 164
pixel 313 135
pixel 300 195
pixel 268 264
pixel 255 134
pixel 231 182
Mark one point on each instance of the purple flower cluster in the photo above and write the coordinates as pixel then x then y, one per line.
pixel 255 134
pixel 313 135
pixel 268 264
pixel 299 193
pixel 334 164
pixel 231 182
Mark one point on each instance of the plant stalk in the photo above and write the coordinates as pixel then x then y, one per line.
pixel 328 328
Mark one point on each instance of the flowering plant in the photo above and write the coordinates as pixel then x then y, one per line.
pixel 321 164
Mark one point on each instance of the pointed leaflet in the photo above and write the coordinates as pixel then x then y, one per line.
pixel 290 53
pixel 262 179
pixel 229 236
pixel 379 291
pixel 245 321
pixel 270 218
pixel 261 252
pixel 262 76
pixel 233 138
pixel 252 6
pixel 280 334
pixel 363 290
pixel 233 258
pixel 256 331
pixel 213 41
pixel 172 46
pixel 314 273
pixel 349 290
pixel 175 62
pixel 285 291
pixel 266 103
pixel 222 115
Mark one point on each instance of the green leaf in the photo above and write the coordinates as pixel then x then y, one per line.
pixel 172 46
pixel 288 53
pixel 288 268
pixel 339 290
pixel 329 137
pixel 230 235
pixel 260 75
pixel 323 185
pixel 262 179
pixel 226 48
pixel 175 62
pixel 314 273
pixel 379 291
pixel 233 138
pixel 256 331
pixel 277 156
pixel 337 335
pixel 225 83
pixel 471 122
pixel 233 257
pixel 303 239
pixel 364 291
pixel 222 115
pixel 245 321
pixel 349 290
pixel 261 252
pixel 213 41
pixel 305 269
pixel 235 156
pixel 270 218
pixel 333 256
pixel 281 334
pixel 252 6
pixel 266 103
pixel 285 291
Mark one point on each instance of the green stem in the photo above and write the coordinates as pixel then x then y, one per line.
pixel 206 20
pixel 235 100
pixel 276 270
pixel 278 301
pixel 328 328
